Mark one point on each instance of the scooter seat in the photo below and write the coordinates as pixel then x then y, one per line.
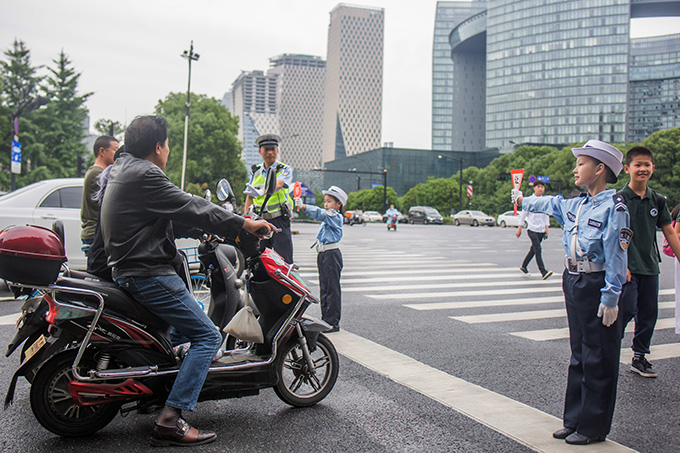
pixel 115 299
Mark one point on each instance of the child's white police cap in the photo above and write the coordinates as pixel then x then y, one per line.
pixel 336 192
pixel 604 152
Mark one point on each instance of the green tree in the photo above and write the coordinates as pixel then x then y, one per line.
pixel 61 124
pixel 103 126
pixel 666 148
pixel 213 150
pixel 19 84
pixel 372 199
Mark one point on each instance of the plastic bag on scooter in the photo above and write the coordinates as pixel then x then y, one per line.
pixel 244 326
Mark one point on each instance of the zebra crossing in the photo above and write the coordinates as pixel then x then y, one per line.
pixel 467 292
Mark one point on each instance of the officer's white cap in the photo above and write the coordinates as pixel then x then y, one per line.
pixel 604 152
pixel 336 192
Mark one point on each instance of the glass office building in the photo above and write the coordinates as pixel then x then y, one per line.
pixel 546 72
pixel 654 90
pixel 444 63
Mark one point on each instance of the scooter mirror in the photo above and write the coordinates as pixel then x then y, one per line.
pixel 224 192
pixel 208 195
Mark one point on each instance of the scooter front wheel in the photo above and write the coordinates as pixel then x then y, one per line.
pixel 55 408
pixel 300 386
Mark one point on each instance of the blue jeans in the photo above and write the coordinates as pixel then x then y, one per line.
pixel 167 297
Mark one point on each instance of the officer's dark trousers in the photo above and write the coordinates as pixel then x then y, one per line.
pixel 595 352
pixel 281 242
pixel 535 250
pixel 330 266
pixel 640 300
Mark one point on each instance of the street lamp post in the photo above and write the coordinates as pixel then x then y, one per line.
pixel 27 106
pixel 190 56
pixel 460 180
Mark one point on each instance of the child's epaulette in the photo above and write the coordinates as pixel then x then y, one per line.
pixel 619 201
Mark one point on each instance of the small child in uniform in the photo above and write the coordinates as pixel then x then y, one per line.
pixel 595 237
pixel 329 258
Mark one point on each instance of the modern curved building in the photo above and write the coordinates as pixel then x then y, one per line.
pixel 542 71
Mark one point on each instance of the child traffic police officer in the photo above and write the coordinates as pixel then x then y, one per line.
pixel 279 210
pixel 595 237
pixel 329 258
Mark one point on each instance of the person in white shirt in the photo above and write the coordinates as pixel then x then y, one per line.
pixel 537 229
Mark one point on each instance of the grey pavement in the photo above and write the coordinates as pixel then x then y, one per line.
pixel 461 273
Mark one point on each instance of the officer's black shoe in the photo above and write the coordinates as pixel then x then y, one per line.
pixel 642 367
pixel 563 433
pixel 524 270
pixel 332 329
pixel 580 439
pixel 547 274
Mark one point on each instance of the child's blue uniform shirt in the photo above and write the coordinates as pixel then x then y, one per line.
pixel 603 233
pixel 330 230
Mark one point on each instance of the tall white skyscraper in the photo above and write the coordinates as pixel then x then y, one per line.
pixel 352 117
pixel 253 99
pixel 299 108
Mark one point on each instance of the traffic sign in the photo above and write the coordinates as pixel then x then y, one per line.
pixel 545 179
pixel 532 179
pixel 16 157
pixel 469 191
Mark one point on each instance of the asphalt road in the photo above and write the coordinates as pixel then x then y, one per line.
pixel 444 346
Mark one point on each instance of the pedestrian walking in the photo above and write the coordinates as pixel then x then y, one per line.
pixel 329 258
pixel 279 209
pixel 640 295
pixel 538 225
pixel 595 237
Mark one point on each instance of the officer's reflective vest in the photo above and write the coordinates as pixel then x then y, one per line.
pixel 279 198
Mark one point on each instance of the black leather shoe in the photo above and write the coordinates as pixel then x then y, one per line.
pixel 181 435
pixel 332 329
pixel 563 433
pixel 580 439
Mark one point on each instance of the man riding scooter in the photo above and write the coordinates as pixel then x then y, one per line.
pixel 137 214
pixel 392 218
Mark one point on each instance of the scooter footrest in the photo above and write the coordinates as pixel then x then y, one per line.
pixel 232 357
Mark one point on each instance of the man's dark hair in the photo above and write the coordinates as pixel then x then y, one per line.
pixel 611 177
pixel 539 183
pixel 636 151
pixel 143 133
pixel 102 142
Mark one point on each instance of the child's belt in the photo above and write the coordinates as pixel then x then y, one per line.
pixel 325 247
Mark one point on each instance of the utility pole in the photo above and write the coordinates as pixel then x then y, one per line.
pixel 190 56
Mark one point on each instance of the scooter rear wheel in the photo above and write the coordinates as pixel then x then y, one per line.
pixel 54 407
pixel 298 385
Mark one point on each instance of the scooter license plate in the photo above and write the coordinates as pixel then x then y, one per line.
pixel 35 347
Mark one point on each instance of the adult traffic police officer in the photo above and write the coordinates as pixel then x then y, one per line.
pixel 279 206
pixel 596 233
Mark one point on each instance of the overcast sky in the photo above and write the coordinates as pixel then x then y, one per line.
pixel 129 51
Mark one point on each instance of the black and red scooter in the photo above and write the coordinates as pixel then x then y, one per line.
pixel 90 351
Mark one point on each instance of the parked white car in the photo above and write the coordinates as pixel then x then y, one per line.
pixel 371 216
pixel 44 202
pixel 509 219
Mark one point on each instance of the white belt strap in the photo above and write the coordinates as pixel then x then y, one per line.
pixel 576 251
pixel 325 247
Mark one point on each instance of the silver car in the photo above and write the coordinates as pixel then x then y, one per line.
pixel 474 218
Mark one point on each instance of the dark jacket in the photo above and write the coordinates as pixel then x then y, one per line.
pixel 137 215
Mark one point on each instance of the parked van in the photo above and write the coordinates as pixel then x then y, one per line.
pixel 425 215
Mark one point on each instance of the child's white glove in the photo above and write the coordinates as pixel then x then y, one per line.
pixel 608 314
pixel 515 195
pixel 298 203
